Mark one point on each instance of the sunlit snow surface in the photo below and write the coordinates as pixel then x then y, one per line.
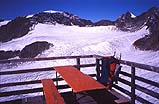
pixel 4 22
pixel 132 15
pixel 74 40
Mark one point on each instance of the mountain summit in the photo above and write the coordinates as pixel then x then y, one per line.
pixel 150 41
pixel 54 17
pixel 128 22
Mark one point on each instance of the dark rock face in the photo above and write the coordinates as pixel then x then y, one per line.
pixel 141 20
pixel 127 23
pixel 8 54
pixel 61 18
pixel 147 43
pixel 104 23
pixel 151 41
pixel 124 22
pixel 32 50
pixel 29 51
pixel 15 29
pixel 149 18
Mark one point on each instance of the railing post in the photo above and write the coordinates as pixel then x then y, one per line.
pixel 133 96
pixel 98 69
pixel 56 79
pixel 78 63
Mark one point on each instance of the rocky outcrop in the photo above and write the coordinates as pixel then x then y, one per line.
pixel 15 29
pixel 127 23
pixel 8 54
pixel 60 18
pixel 29 51
pixel 104 23
pixel 148 43
pixel 124 22
pixel 32 50
pixel 151 41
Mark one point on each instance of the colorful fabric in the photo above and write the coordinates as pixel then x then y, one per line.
pixel 107 72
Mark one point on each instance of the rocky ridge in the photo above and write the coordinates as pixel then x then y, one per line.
pixel 60 18
pixel 16 28
pixel 29 51
pixel 150 41
pixel 128 23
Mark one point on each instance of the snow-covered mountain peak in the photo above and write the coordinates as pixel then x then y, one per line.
pixel 57 17
pixel 127 15
pixel 47 11
pixel 52 11
pixel 65 14
pixel 132 15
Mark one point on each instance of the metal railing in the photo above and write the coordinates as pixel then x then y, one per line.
pixel 3 94
pixel 96 65
pixel 132 83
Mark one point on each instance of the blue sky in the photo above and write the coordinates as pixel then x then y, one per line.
pixel 88 9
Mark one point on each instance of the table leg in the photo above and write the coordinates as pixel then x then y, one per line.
pixel 75 100
pixel 56 79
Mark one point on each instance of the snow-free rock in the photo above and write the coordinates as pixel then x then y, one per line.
pixel 8 54
pixel 104 23
pixel 32 50
pixel 15 29
pixel 60 18
pixel 127 22
pixel 150 41
pixel 124 21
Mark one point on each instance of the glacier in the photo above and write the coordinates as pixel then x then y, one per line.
pixel 101 40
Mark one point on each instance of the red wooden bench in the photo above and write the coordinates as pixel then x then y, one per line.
pixel 51 93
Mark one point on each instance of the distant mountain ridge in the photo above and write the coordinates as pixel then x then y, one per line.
pixel 150 41
pixel 60 18
pixel 127 23
pixel 104 23
pixel 20 26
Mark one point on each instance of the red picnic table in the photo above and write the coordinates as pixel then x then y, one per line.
pixel 77 80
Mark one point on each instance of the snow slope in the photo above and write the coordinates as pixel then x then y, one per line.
pixel 4 22
pixel 102 40
pixel 74 40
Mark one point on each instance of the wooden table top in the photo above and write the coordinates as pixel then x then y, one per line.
pixel 77 80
